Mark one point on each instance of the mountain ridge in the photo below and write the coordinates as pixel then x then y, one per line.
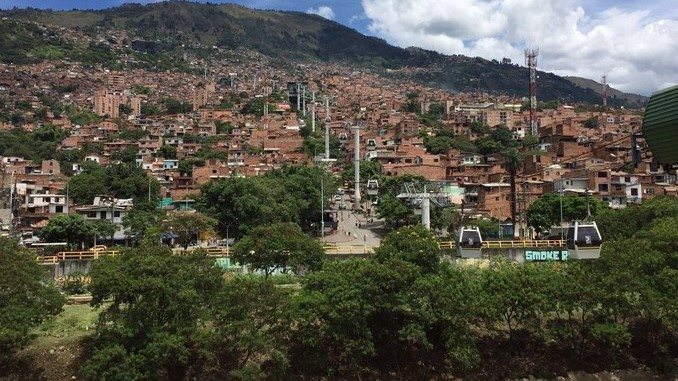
pixel 298 36
pixel 631 99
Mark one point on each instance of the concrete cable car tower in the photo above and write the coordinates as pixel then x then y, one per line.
pixel 423 197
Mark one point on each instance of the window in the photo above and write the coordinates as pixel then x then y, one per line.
pixel 408 161
pixel 627 179
pixel 602 175
pixel 59 209
pixel 92 214
pixel 103 215
pixel 116 214
pixel 634 191
pixel 602 188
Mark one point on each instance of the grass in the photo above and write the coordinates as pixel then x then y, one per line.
pixel 75 321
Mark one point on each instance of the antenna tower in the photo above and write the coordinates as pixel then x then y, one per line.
pixel 604 80
pixel 531 62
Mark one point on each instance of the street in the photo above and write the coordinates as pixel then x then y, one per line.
pixel 355 228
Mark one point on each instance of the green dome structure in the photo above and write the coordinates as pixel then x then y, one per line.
pixel 660 125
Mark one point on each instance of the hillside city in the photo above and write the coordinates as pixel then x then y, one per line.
pixel 209 191
pixel 242 120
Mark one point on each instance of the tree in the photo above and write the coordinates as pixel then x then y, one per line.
pixel 289 194
pixel 127 155
pixel 102 228
pixel 591 122
pixel 394 211
pixel 152 304
pixel 488 227
pixel 188 225
pixel 174 106
pixel 488 146
pixel 368 170
pixel 25 298
pixel 88 183
pixel 279 246
pixel 413 244
pixel 248 331
pixel 125 180
pixel 256 107
pixel 438 145
pixel 70 228
pixel 504 136
pixel 223 127
pixel 351 317
pixel 143 221
pixel 512 296
pixel 545 211
pixel 513 162
pixel 479 128
pixel 124 109
pixel 167 152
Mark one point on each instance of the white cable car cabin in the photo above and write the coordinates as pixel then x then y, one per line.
pixel 584 240
pixel 470 242
pixel 372 187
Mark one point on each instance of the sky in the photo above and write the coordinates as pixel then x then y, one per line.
pixel 633 42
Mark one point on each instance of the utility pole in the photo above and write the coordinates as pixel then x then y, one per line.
pixel 356 167
pixel 426 210
pixel 313 111
pixel 12 189
pixel 322 204
pixel 298 96
pixel 327 128
pixel 303 100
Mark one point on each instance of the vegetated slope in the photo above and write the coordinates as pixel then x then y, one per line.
pixel 300 36
pixel 612 93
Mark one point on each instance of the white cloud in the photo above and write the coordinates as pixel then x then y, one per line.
pixel 322 11
pixel 637 52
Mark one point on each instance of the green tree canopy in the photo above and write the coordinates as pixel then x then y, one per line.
pixel 413 244
pixel 188 224
pixel 152 303
pixel 280 246
pixel 25 298
pixel 125 180
pixel 167 152
pixel 368 170
pixel 545 211
pixel 290 194
pixel 70 228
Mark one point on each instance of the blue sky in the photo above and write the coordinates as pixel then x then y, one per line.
pixel 632 41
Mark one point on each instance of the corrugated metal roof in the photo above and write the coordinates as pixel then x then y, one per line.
pixel 660 125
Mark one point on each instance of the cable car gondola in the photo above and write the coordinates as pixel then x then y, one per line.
pixel 584 240
pixel 372 187
pixel 470 242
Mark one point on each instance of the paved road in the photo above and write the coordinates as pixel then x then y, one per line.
pixel 354 228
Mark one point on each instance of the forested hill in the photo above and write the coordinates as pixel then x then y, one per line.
pixel 300 36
